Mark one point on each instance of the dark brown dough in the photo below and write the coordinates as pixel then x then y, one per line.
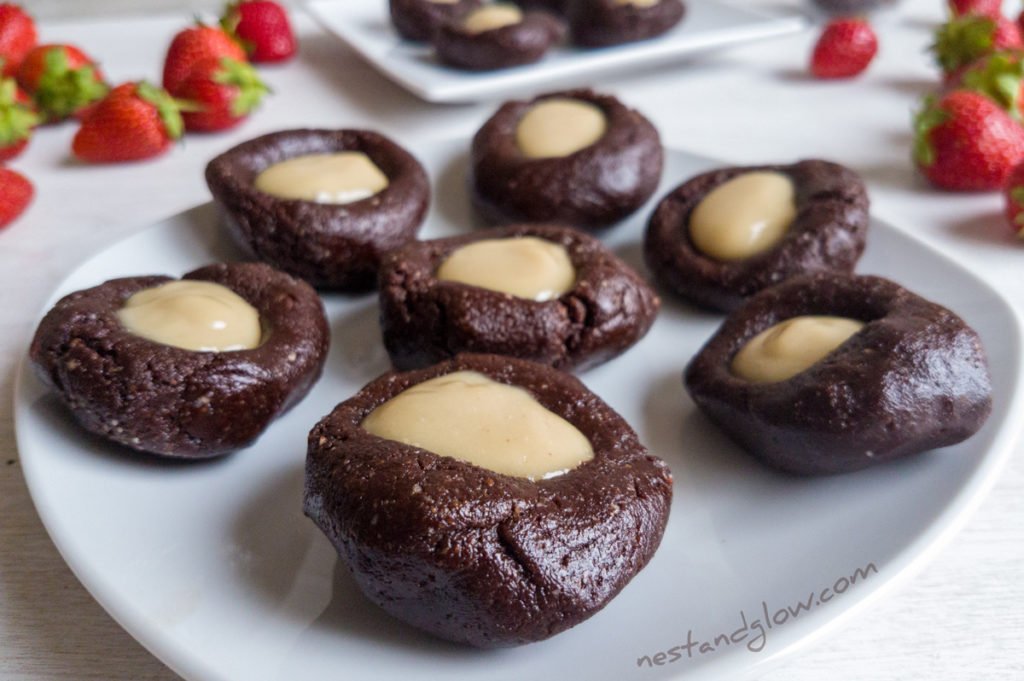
pixel 330 246
pixel 595 187
pixel 176 402
pixel 499 48
pixel 556 7
pixel 600 23
pixel 828 233
pixel 419 20
pixel 478 557
pixel 425 320
pixel 913 378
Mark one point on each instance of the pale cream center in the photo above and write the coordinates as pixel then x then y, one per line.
pixel 790 347
pixel 341 177
pixel 194 315
pixel 638 3
pixel 525 267
pixel 468 416
pixel 744 216
pixel 558 127
pixel 490 17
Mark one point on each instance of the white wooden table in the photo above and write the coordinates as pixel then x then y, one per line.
pixel 959 618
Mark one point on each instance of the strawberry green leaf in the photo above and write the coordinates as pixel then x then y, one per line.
pixel 62 90
pixel 251 88
pixel 962 40
pixel 166 107
pixel 926 120
pixel 189 105
pixel 229 24
pixel 1001 79
pixel 16 118
pixel 16 124
pixel 8 92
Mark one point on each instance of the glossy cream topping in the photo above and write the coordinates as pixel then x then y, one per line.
pixel 341 177
pixel 490 17
pixel 744 216
pixel 558 127
pixel 470 417
pixel 194 315
pixel 790 347
pixel 638 3
pixel 525 267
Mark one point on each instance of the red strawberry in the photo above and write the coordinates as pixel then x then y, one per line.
pixel 1001 78
pixel 193 45
pixel 221 92
pixel 262 27
pixel 968 38
pixel 17 37
pixel 1013 193
pixel 845 48
pixel 15 195
pixel 17 119
pixel 965 142
pixel 135 121
pixel 989 8
pixel 61 79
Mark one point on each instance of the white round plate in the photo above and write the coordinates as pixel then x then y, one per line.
pixel 213 567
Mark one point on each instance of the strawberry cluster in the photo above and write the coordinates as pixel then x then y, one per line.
pixel 208 85
pixel 969 136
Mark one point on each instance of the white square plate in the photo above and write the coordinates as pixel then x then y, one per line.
pixel 366 26
pixel 214 568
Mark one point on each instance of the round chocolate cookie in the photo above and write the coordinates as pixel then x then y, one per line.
pixel 419 20
pixel 913 377
pixel 329 244
pixel 605 308
pixel 523 42
pixel 476 556
pixel 828 232
pixel 600 23
pixel 594 186
pixel 169 400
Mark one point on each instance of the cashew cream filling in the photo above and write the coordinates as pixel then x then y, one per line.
pixel 791 347
pixel 193 315
pixel 473 418
pixel 490 17
pixel 558 127
pixel 744 216
pixel 336 178
pixel 525 267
